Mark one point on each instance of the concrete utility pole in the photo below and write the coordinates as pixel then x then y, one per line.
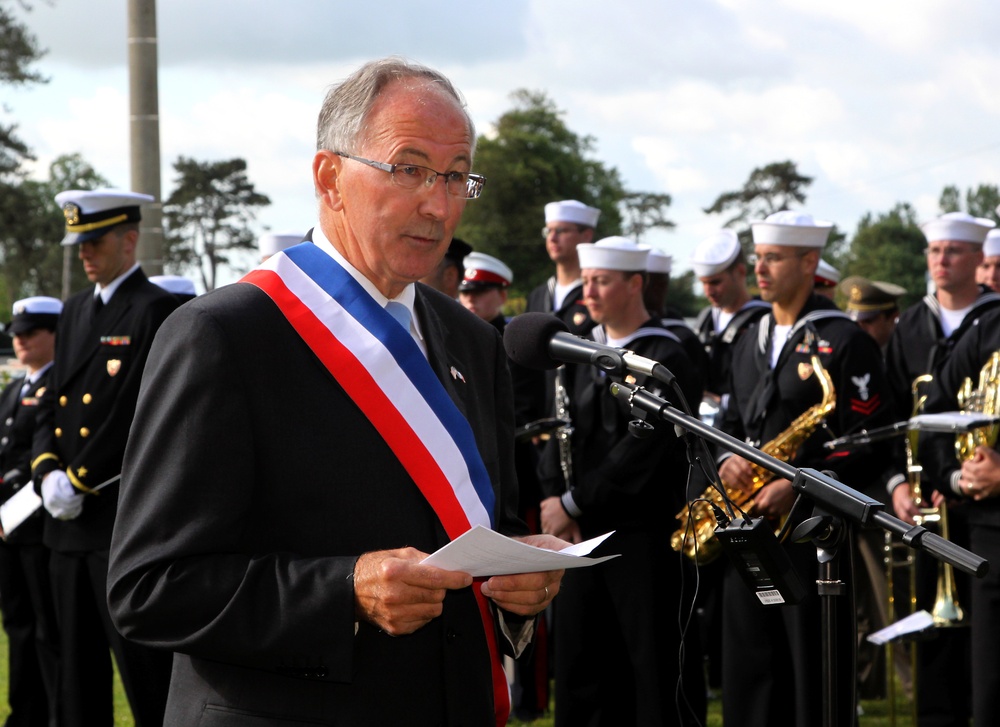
pixel 144 128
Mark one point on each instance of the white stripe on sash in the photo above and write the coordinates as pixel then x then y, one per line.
pixel 402 393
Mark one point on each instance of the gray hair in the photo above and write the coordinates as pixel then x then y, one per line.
pixel 343 119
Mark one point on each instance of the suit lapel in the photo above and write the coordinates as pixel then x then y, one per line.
pixel 443 354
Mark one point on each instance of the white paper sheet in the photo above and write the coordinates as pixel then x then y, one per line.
pixel 19 507
pixel 917 621
pixel 484 552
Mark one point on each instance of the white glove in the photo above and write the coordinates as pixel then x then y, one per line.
pixel 60 498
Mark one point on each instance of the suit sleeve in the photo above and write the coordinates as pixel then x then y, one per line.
pixel 180 575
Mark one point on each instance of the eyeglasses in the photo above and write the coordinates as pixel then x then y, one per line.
pixel 414 176
pixel 947 251
pixel 773 258
pixel 558 231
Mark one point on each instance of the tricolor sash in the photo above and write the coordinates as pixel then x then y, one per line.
pixel 379 365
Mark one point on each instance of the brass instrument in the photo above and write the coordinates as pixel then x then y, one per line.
pixel 983 400
pixel 564 434
pixel 696 535
pixel 946 610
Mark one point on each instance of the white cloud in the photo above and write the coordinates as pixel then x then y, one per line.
pixel 880 102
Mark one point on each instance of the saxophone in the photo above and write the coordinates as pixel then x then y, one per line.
pixel 696 535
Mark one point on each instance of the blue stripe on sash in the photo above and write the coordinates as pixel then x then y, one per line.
pixel 342 287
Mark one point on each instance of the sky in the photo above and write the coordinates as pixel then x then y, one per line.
pixel 880 102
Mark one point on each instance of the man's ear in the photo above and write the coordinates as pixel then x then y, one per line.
pixel 326 178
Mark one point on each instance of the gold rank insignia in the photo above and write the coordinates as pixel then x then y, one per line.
pixel 114 366
pixel 805 371
pixel 72 213
pixel 579 318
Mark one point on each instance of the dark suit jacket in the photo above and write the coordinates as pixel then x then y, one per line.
pixel 252 483
pixel 87 410
pixel 17 428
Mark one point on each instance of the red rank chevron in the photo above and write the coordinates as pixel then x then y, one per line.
pixel 867 408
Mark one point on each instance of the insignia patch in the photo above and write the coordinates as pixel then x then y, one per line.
pixel 866 408
pixel 579 318
pixel 116 340
pixel 805 371
pixel 71 212
pixel 114 366
pixel 457 375
pixel 862 383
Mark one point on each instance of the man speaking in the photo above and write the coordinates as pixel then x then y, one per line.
pixel 304 438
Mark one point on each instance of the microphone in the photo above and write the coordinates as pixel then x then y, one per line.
pixel 540 341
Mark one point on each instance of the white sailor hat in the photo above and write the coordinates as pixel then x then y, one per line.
pixel 176 284
pixel 90 213
pixel 991 248
pixel 484 271
pixel 572 211
pixel 957 226
pixel 715 253
pixel 659 262
pixel 39 311
pixel 826 275
pixel 271 243
pixel 791 229
pixel 613 253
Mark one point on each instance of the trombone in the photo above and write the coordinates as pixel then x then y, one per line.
pixel 946 611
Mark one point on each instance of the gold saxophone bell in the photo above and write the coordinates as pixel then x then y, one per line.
pixel 696 535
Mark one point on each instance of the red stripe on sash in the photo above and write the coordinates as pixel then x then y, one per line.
pixel 359 384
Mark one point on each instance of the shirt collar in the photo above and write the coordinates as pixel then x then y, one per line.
pixel 109 290
pixel 407 297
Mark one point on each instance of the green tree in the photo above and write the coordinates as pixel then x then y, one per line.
pixel 980 201
pixel 529 159
pixel 18 50
pixel 645 211
pixel 31 226
pixel 681 295
pixel 890 247
pixel 209 216
pixel 769 189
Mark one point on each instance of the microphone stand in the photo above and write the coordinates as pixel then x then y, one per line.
pixel 838 501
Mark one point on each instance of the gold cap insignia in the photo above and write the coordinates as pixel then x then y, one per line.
pixel 72 213
pixel 856 293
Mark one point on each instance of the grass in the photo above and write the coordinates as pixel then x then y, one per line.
pixel 876 712
pixel 123 714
